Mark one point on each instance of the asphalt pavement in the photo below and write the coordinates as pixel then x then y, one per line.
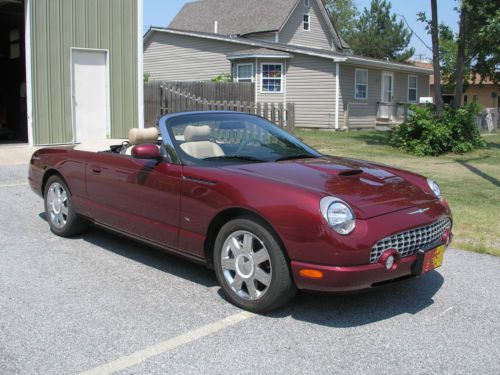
pixel 102 303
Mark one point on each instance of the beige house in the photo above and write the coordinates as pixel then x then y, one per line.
pixel 486 93
pixel 292 52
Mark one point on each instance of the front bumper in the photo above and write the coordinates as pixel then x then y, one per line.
pixel 346 279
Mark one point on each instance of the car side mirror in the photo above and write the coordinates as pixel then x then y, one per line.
pixel 146 151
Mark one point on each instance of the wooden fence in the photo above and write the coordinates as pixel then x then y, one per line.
pixel 160 99
pixel 243 91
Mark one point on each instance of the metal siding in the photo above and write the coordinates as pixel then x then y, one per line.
pixel 347 81
pixel 311 86
pixel 183 58
pixel 317 37
pixel 59 25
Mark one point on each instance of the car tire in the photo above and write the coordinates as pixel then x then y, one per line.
pixel 59 209
pixel 251 266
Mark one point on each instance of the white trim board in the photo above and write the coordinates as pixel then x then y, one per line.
pixel 140 66
pixel 337 94
pixel 237 76
pixel 29 86
pixel 282 79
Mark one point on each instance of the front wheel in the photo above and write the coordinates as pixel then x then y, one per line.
pixel 251 267
pixel 59 210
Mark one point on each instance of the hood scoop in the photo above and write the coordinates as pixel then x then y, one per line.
pixel 350 172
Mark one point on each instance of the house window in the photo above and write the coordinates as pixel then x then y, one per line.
pixel 306 3
pixel 465 99
pixel 272 78
pixel 244 73
pixel 307 24
pixel 361 89
pixel 412 88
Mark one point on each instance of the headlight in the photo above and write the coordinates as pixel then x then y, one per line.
pixel 338 214
pixel 435 188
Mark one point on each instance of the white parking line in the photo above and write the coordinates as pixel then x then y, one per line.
pixel 11 185
pixel 162 347
pixel 447 310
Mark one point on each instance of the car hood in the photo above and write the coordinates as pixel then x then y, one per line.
pixel 370 189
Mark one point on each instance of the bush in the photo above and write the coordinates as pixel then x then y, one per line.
pixel 223 77
pixel 424 134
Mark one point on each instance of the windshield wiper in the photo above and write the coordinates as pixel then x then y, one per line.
pixel 236 157
pixel 296 156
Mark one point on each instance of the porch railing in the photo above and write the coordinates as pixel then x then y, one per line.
pixel 368 115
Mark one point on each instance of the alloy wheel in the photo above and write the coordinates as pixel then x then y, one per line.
pixel 57 205
pixel 246 265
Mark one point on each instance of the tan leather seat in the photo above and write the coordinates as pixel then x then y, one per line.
pixel 198 144
pixel 138 136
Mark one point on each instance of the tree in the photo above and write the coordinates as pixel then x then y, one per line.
pixel 435 59
pixel 433 29
pixel 459 79
pixel 378 34
pixel 483 32
pixel 448 60
pixel 478 47
pixel 343 16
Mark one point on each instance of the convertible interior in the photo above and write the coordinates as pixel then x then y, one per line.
pixel 197 142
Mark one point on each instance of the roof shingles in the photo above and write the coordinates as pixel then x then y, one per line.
pixel 248 16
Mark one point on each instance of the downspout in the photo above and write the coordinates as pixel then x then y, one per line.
pixel 337 93
pixel 285 87
pixel 256 83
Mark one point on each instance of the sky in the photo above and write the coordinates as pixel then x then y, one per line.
pixel 161 12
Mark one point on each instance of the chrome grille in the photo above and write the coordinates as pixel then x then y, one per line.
pixel 407 243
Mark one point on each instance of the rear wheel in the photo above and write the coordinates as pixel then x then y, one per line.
pixel 251 266
pixel 59 210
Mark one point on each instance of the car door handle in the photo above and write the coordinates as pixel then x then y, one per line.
pixel 96 170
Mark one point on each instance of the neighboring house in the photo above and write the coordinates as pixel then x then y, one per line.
pixel 486 93
pixel 72 69
pixel 293 53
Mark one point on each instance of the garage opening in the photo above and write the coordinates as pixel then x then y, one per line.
pixel 13 118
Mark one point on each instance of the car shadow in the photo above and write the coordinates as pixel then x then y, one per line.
pixel 339 311
pixel 147 255
pixel 352 310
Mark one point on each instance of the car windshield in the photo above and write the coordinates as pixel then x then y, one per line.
pixel 220 138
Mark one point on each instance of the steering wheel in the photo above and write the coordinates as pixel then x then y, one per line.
pixel 247 142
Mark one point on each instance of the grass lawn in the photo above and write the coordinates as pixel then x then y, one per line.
pixel 470 182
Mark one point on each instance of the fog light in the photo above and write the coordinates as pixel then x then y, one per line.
pixel 389 262
pixel 389 259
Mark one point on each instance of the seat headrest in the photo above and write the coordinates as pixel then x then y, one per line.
pixel 197 133
pixel 138 136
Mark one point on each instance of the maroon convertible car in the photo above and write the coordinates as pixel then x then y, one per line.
pixel 236 193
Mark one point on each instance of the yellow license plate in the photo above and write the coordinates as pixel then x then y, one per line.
pixel 433 259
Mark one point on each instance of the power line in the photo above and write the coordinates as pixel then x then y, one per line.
pixel 413 32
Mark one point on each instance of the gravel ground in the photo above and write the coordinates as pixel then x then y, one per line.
pixel 69 305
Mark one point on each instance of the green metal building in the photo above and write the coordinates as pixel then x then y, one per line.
pixel 76 69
